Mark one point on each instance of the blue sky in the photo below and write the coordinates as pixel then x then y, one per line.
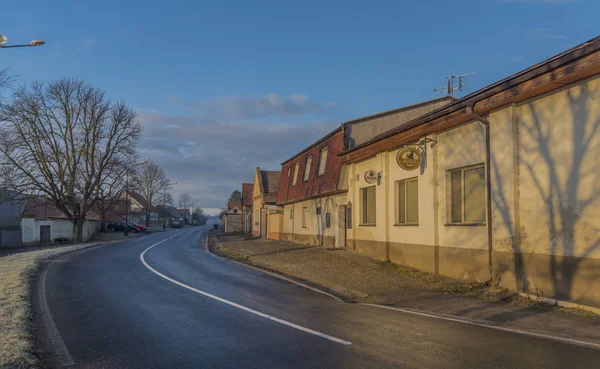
pixel 224 86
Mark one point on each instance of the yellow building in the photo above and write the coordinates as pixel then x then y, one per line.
pixel 501 185
pixel 264 197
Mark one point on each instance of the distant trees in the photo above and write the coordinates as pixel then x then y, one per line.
pixel 236 195
pixel 65 141
pixel 199 216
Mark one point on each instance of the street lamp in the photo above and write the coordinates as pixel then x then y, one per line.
pixel 126 228
pixel 165 203
pixel 33 43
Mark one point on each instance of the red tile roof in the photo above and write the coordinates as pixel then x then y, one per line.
pixel 247 190
pixel 42 209
pixel 315 185
pixel 268 181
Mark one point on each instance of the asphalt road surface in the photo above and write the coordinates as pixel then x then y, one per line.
pixel 162 301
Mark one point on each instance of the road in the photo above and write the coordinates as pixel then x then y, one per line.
pixel 178 306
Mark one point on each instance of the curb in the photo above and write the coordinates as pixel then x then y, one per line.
pixel 424 313
pixel 286 277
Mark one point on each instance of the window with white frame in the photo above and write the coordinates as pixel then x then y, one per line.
pixel 295 178
pixel 368 201
pixel 467 194
pixel 304 216
pixel 407 201
pixel 307 168
pixel 322 160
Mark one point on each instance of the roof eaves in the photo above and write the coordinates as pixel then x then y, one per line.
pixel 319 141
pixel 398 110
pixel 554 62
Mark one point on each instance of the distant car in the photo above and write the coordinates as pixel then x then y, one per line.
pixel 120 226
pixel 142 228
pixel 176 225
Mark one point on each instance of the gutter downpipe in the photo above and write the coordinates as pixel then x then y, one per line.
pixel 488 182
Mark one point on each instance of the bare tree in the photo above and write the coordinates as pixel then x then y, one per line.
pixel 111 189
pixel 199 216
pixel 57 140
pixel 151 181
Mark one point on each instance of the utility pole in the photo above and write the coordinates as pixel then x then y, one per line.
pixel 453 84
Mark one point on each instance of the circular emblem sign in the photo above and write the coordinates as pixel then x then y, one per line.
pixel 371 176
pixel 409 158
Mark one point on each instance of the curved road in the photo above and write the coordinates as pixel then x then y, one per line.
pixel 178 306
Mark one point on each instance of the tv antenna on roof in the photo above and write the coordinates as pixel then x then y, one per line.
pixel 453 84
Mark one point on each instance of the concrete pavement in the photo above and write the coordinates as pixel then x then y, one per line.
pixel 179 307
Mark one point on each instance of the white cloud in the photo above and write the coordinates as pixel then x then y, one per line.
pixel 269 105
pixel 210 155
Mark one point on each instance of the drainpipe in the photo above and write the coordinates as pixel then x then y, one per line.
pixel 488 182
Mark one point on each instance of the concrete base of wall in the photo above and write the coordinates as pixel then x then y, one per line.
pixel 559 277
pixel 454 262
pixel 310 239
pixel 274 236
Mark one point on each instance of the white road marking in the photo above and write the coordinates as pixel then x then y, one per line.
pixel 255 312
pixel 64 357
pixel 510 330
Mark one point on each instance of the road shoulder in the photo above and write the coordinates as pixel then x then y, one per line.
pixel 356 278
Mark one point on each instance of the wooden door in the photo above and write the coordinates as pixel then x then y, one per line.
pixel 44 235
pixel 341 226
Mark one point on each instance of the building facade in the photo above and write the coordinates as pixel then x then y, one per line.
pixel 264 199
pixel 501 185
pixel 233 218
pixel 247 192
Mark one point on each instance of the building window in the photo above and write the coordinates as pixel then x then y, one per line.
pixel 407 197
pixel 467 195
pixel 322 160
pixel 304 216
pixel 327 220
pixel 296 168
pixel 234 211
pixel 318 210
pixel 368 204
pixel 289 171
pixel 307 168
pixel 291 213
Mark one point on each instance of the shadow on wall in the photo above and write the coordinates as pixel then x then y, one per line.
pixel 566 176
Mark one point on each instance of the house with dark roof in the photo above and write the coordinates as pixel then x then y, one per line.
pixel 233 217
pixel 42 223
pixel 11 212
pixel 247 189
pixel 264 202
pixel 138 207
pixel 313 183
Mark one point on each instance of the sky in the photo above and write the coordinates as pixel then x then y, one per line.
pixel 223 87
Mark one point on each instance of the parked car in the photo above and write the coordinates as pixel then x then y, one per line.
pixel 120 226
pixel 142 228
pixel 176 225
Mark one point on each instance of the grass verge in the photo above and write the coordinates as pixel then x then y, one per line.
pixel 16 272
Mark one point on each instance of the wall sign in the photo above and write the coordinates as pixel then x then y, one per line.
pixel 409 158
pixel 371 176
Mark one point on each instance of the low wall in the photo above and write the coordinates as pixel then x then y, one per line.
pixel 566 278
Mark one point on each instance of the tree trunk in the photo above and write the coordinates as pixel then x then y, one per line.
pixel 102 218
pixel 74 231
pixel 80 231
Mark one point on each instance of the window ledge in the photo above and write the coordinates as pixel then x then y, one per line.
pixel 406 224
pixel 367 225
pixel 474 224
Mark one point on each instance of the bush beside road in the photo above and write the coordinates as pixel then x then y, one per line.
pixel 357 278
